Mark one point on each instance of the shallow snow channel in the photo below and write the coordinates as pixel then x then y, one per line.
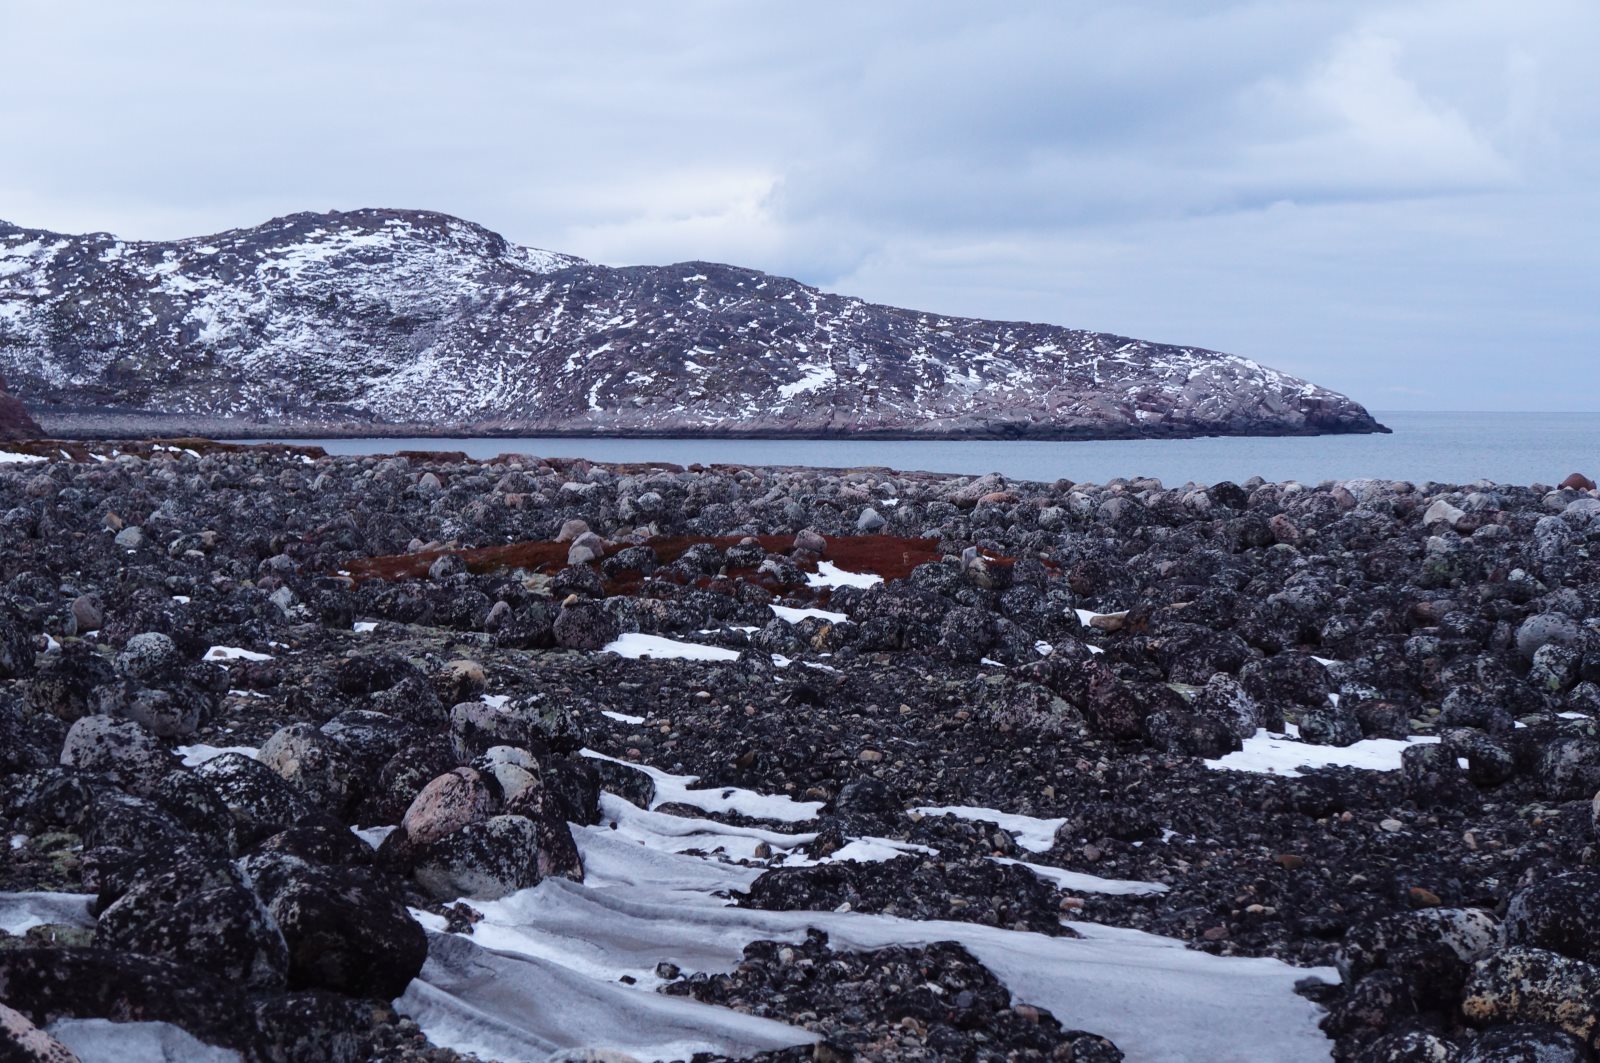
pixel 1282 754
pixel 542 970
pixel 679 789
pixel 234 653
pixel 794 616
pixel 636 645
pixel 829 574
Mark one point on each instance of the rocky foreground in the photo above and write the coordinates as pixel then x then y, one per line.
pixel 397 322
pixel 1027 711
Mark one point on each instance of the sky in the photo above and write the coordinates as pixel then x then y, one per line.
pixel 1399 200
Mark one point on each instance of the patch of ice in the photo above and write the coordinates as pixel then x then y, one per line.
pixel 1043 648
pixel 234 653
pixel 829 574
pixel 495 701
pixel 1032 833
pixel 198 754
pixel 18 841
pixel 373 836
pixel 636 645
pixel 1283 754
pixel 361 627
pixel 135 1042
pixel 181 599
pixel 1157 999
pixel 246 694
pixel 21 912
pixel 1078 882
pixel 621 717
pixel 6 457
pixel 678 789
pixel 794 616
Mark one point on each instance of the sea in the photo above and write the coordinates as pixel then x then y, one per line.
pixel 1450 447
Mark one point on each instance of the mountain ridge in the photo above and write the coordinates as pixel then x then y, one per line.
pixel 379 322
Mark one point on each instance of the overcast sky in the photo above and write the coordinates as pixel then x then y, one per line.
pixel 1399 200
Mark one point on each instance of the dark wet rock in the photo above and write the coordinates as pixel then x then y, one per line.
pixel 916 887
pixel 45 984
pixel 1561 914
pixel 346 929
pixel 261 802
pixel 202 914
pixel 898 1003
pixel 319 845
pixel 1525 1044
pixel 584 626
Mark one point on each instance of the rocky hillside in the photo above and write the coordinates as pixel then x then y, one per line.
pixel 14 420
pixel 380 321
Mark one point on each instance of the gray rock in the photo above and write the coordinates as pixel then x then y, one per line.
pixel 88 614
pixel 1546 628
pixel 122 749
pixel 483 861
pixel 311 762
pixel 129 538
pixel 147 656
pixel 870 520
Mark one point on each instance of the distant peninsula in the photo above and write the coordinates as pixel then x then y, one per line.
pixel 400 322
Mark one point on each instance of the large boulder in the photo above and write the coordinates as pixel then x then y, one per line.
pixel 120 749
pixel 346 929
pixel 1523 985
pixel 261 801
pixel 46 984
pixel 482 861
pixel 200 913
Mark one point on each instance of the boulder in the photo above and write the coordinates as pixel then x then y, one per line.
pixel 1526 985
pixel 201 914
pixel 120 749
pixel 482 861
pixel 447 804
pixel 261 802
pixel 346 929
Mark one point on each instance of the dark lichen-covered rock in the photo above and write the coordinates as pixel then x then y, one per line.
pixel 346 929
pixel 202 914
pixel 1527 985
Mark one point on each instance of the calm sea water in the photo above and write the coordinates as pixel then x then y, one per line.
pixel 1446 447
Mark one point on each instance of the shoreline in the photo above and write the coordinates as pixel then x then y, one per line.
pixel 116 426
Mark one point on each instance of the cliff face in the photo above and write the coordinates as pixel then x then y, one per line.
pixel 14 420
pixel 383 318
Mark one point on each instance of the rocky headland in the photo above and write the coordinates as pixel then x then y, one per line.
pixel 295 748
pixel 401 323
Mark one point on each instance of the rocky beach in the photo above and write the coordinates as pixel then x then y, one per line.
pixel 416 757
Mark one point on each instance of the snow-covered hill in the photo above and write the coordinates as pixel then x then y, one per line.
pixel 377 321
